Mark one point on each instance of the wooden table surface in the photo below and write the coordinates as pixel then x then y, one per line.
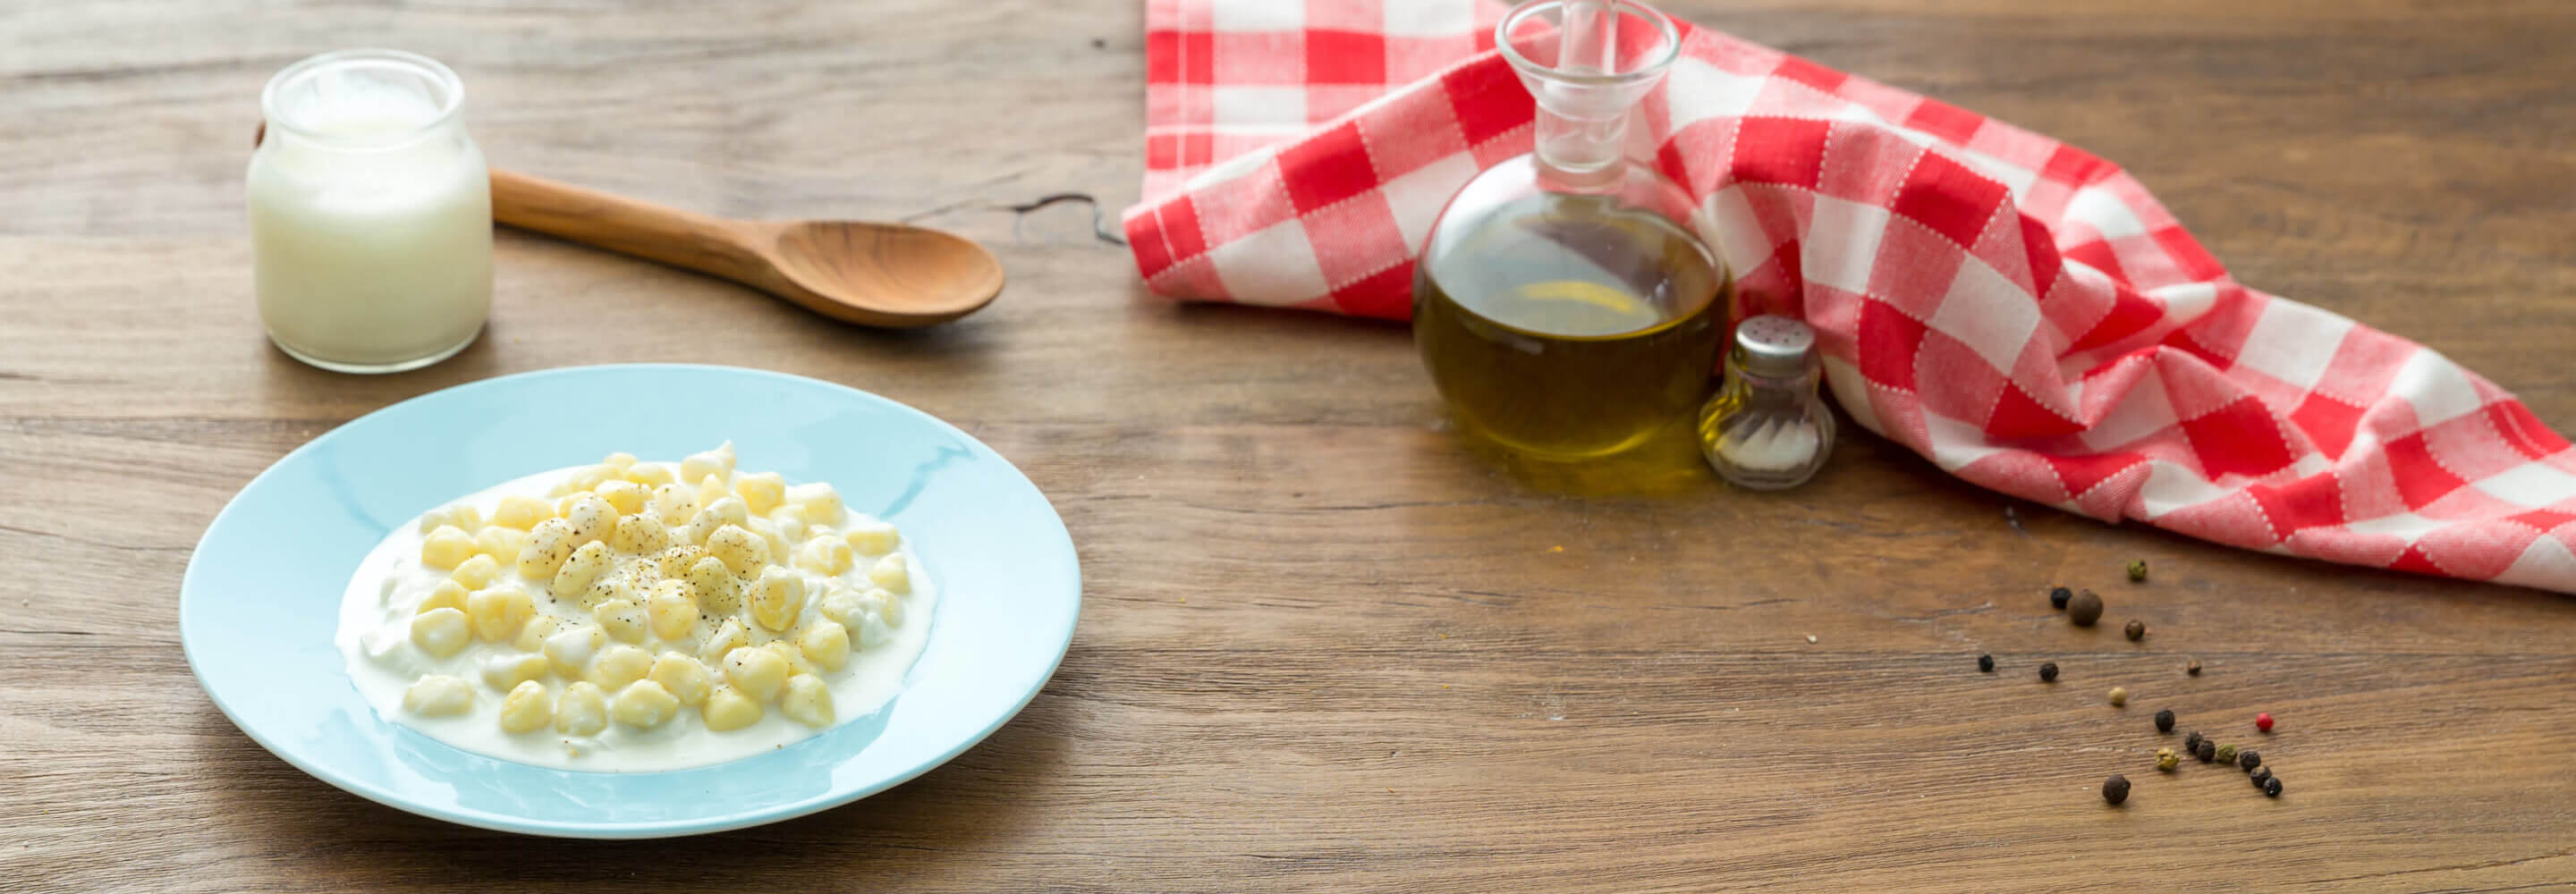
pixel 1324 645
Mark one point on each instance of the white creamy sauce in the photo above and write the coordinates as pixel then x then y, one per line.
pixel 377 610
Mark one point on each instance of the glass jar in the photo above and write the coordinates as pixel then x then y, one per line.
pixel 1766 428
pixel 1567 303
pixel 370 213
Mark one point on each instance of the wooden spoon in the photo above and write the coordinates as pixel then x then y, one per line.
pixel 875 274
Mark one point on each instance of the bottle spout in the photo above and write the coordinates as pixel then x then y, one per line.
pixel 1601 59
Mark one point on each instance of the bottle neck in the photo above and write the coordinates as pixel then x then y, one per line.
pixel 1582 152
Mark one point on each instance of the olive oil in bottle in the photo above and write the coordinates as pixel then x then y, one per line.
pixel 1568 326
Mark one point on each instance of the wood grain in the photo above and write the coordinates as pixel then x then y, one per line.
pixel 1324 646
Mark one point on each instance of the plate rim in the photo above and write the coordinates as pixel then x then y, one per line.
pixel 612 830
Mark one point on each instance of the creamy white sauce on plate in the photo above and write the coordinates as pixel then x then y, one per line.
pixel 885 631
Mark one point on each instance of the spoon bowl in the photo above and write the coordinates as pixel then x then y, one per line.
pixel 915 272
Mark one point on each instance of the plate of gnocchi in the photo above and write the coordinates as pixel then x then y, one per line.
pixel 512 606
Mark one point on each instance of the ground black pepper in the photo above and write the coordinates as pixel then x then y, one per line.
pixel 2084 609
pixel 2249 760
pixel 2048 672
pixel 2272 787
pixel 2193 668
pixel 1986 663
pixel 2207 751
pixel 2137 630
pixel 2138 571
pixel 2115 789
pixel 2164 720
pixel 2057 597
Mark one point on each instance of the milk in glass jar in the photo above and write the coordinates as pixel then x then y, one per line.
pixel 370 213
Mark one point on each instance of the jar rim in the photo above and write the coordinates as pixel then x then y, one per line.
pixel 449 93
pixel 1646 70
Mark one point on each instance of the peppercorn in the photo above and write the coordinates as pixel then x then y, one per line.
pixel 2249 760
pixel 2191 742
pixel 2193 668
pixel 2262 775
pixel 2263 722
pixel 2048 672
pixel 2119 696
pixel 2137 630
pixel 1986 663
pixel 2272 787
pixel 2164 720
pixel 2166 759
pixel 2084 609
pixel 2138 571
pixel 2227 754
pixel 2057 597
pixel 2115 789
pixel 2208 751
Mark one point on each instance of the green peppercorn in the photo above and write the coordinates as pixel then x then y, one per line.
pixel 2272 787
pixel 2137 630
pixel 2115 789
pixel 2048 672
pixel 2206 752
pixel 2166 759
pixel 1986 663
pixel 2164 720
pixel 2138 571
pixel 2057 597
pixel 2084 609
pixel 2249 759
pixel 2227 754
pixel 2119 696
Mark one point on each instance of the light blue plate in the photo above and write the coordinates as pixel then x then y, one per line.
pixel 260 600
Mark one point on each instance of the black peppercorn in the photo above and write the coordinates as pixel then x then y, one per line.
pixel 2048 672
pixel 2262 775
pixel 2137 630
pixel 2249 760
pixel 1986 663
pixel 2207 751
pixel 2084 609
pixel 2272 787
pixel 2191 742
pixel 2193 668
pixel 2057 597
pixel 2115 789
pixel 2164 720
pixel 2138 571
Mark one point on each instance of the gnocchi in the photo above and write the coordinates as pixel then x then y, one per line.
pixel 621 610
pixel 446 547
pixel 438 695
pixel 527 708
pixel 582 711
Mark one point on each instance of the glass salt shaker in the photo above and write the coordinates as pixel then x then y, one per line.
pixel 1766 428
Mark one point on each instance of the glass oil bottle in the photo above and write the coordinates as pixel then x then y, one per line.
pixel 1566 302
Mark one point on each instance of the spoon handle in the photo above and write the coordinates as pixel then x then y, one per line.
pixel 710 245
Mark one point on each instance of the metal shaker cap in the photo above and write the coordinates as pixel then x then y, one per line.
pixel 1776 346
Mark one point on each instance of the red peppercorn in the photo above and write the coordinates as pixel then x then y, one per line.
pixel 2263 722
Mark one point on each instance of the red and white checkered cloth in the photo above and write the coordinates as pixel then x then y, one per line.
pixel 2019 311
